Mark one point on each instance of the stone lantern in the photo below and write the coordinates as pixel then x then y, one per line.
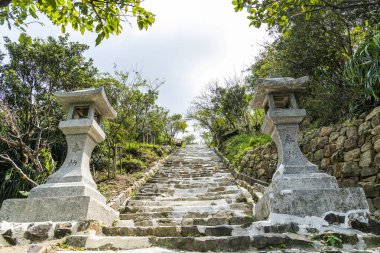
pixel 70 193
pixel 298 188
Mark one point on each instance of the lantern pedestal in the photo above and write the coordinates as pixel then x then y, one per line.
pixel 70 193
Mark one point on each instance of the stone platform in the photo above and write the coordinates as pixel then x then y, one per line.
pixel 45 209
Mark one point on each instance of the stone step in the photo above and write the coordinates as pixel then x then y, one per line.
pixel 165 203
pixel 243 207
pixel 188 193
pixel 200 244
pixel 172 231
pixel 170 198
pixel 214 221
pixel 184 214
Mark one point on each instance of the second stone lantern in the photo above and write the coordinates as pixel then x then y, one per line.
pixel 70 193
pixel 298 188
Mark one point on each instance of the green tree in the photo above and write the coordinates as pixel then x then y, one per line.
pixel 102 17
pixel 30 144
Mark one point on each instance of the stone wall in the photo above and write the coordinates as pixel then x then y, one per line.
pixel 349 151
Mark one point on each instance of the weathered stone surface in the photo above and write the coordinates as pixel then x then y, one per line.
pixel 375 130
pixel 44 209
pixel 350 143
pixel 372 113
pixel 376 203
pixel 325 163
pixel 375 121
pixel 38 233
pixel 364 128
pixel 370 189
pixel 334 136
pixel 333 218
pixel 366 147
pixel 338 156
pixel 376 160
pixel 326 131
pixel 376 145
pixel 340 142
pixel 318 155
pixel 329 150
pixel 352 155
pixel 352 132
pixel 350 169
pixel 322 142
pixel 313 202
pixel 369 171
pixel 366 158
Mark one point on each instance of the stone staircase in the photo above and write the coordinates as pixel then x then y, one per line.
pixel 193 203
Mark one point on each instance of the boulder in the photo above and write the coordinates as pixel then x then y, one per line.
pixel 366 159
pixel 373 113
pixel 352 155
pixel 38 232
pixel 350 143
pixel 350 169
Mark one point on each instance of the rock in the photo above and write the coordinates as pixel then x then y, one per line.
pixel 337 157
pixel 326 131
pixel 8 237
pixel 350 169
pixel 370 189
pixel 371 241
pixel 329 150
pixel 352 132
pixel 372 113
pixel 376 146
pixel 350 182
pixel 370 179
pixel 333 136
pixel 37 249
pixel 372 226
pixel 38 232
pixel 340 142
pixel 337 170
pixel 376 130
pixel 376 203
pixel 273 240
pixel 333 218
pixel 313 144
pixel 352 155
pixel 366 159
pixel 318 155
pixel 325 163
pixel 310 156
pixel 322 142
pixel 369 171
pixel 365 147
pixel 85 226
pixel 350 143
pixel 260 172
pixel 375 121
pixel 62 230
pixel 376 160
pixel 364 128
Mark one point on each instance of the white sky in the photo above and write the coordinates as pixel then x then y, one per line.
pixel 191 43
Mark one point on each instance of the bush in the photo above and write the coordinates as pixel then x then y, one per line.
pixel 130 165
pixel 235 147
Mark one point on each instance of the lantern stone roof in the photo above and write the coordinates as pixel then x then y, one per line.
pixel 277 85
pixel 91 95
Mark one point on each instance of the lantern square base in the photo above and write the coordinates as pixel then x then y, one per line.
pixel 57 209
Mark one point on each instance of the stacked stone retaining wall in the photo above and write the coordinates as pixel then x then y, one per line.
pixel 348 151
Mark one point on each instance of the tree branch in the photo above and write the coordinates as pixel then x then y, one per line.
pixel 25 177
